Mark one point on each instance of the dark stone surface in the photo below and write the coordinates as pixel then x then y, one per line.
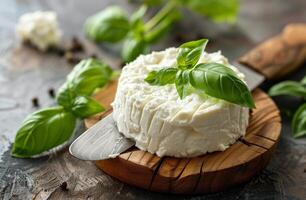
pixel 26 74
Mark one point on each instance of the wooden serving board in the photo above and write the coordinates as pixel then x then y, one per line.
pixel 208 173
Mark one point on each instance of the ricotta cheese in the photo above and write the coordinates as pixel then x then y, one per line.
pixel 39 28
pixel 161 123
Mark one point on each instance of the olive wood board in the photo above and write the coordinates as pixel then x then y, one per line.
pixel 211 172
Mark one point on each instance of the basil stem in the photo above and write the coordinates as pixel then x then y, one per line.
pixel 167 9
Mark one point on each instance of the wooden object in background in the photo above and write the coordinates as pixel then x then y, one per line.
pixel 208 173
pixel 280 55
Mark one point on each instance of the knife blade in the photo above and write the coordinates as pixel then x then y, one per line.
pixel 252 78
pixel 101 141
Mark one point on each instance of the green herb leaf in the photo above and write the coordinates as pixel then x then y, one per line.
pixel 303 81
pixel 110 25
pixel 83 80
pixel 299 122
pixel 220 82
pixel 217 10
pixel 42 131
pixel 88 75
pixel 292 88
pixel 132 48
pixel 85 106
pixel 162 77
pixel 182 83
pixel 189 53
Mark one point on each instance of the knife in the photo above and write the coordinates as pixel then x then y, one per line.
pixel 272 59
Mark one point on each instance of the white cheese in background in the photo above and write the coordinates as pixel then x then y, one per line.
pixel 39 28
pixel 160 122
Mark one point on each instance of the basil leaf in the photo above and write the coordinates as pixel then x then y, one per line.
pixel 155 34
pixel 219 81
pixel 83 80
pixel 292 88
pixel 42 131
pixel 132 48
pixel 66 95
pixel 299 122
pixel 162 77
pixel 189 53
pixel 85 106
pixel 109 25
pixel 88 75
pixel 217 10
pixel 303 81
pixel 181 83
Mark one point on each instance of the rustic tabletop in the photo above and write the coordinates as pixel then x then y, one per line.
pixel 26 73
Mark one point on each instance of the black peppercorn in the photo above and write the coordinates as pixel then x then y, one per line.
pixel 51 92
pixel 35 102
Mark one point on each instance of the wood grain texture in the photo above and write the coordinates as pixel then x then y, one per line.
pixel 204 174
pixel 280 55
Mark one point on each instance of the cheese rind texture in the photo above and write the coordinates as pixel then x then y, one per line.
pixel 162 123
pixel 40 28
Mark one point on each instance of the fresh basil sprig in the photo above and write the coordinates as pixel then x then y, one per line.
pixel 296 89
pixel 50 127
pixel 213 79
pixel 112 25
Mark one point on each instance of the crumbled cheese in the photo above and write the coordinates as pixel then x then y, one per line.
pixel 39 28
pixel 161 123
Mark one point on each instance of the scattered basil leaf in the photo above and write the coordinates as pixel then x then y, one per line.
pixel 83 80
pixel 292 88
pixel 217 10
pixel 110 25
pixel 162 77
pixel 84 106
pixel 88 75
pixel 42 131
pixel 132 48
pixel 219 81
pixel 299 122
pixel 303 81
pixel 189 53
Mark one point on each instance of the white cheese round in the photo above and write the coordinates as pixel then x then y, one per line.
pixel 39 28
pixel 161 123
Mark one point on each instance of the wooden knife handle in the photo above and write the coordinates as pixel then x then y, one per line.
pixel 280 55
